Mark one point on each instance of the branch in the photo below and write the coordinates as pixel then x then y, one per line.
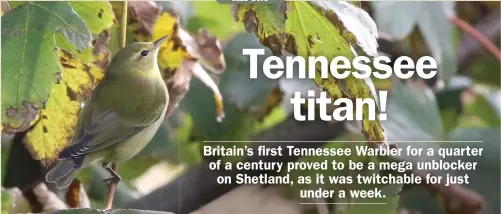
pixel 482 39
pixel 198 187
pixel 490 26
pixel 123 34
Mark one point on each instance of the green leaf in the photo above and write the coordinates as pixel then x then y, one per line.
pixel 6 202
pixel 488 166
pixel 397 18
pixel 450 106
pixel 270 33
pixel 98 15
pixel 432 19
pixel 14 4
pixel 318 29
pixel 354 22
pixel 31 67
pixel 236 83
pixel 484 110
pixel 482 63
pixel 172 141
pixel 412 114
pixel 237 124
pixel 115 211
pixel 218 23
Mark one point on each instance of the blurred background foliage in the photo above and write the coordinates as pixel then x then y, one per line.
pixel 464 107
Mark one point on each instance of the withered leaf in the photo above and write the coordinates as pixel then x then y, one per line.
pixel 76 197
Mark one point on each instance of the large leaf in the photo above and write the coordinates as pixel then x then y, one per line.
pixel 98 15
pixel 220 23
pixel 483 63
pixel 413 114
pixel 31 68
pixel 318 29
pixel 56 124
pixel 432 18
pixel 484 109
pixel 488 166
pixel 236 85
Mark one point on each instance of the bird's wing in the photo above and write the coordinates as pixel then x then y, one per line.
pixel 100 129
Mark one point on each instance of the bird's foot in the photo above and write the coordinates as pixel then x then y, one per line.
pixel 112 180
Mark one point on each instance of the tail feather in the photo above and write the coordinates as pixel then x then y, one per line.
pixel 62 174
pixel 65 181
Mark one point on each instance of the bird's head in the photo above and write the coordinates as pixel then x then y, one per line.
pixel 137 58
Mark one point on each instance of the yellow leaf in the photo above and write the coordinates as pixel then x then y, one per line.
pixel 172 52
pixel 56 123
pixel 305 29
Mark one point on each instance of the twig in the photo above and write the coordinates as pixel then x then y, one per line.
pixel 461 24
pixel 111 190
pixel 123 33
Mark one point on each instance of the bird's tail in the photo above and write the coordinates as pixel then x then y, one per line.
pixel 62 174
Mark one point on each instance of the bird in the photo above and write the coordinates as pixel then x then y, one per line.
pixel 121 116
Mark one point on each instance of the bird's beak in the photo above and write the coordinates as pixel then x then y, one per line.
pixel 156 44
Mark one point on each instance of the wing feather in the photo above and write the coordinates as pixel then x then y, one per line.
pixel 102 129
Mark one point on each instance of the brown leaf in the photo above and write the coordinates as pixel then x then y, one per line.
pixel 273 100
pixel 178 83
pixel 210 51
pixel 181 57
pixel 28 115
pixel 76 197
pixel 5 7
pixel 100 50
pixel 146 12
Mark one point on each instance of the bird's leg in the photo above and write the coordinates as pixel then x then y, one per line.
pixel 115 178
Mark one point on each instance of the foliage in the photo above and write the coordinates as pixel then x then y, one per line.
pixel 432 21
pixel 321 29
pixel 33 69
pixel 56 52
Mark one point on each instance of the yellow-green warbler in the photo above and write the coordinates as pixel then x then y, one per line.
pixel 120 118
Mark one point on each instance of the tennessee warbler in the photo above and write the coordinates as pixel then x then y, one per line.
pixel 120 118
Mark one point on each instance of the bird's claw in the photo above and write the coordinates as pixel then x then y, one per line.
pixel 112 180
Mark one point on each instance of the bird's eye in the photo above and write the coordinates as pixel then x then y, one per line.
pixel 144 53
